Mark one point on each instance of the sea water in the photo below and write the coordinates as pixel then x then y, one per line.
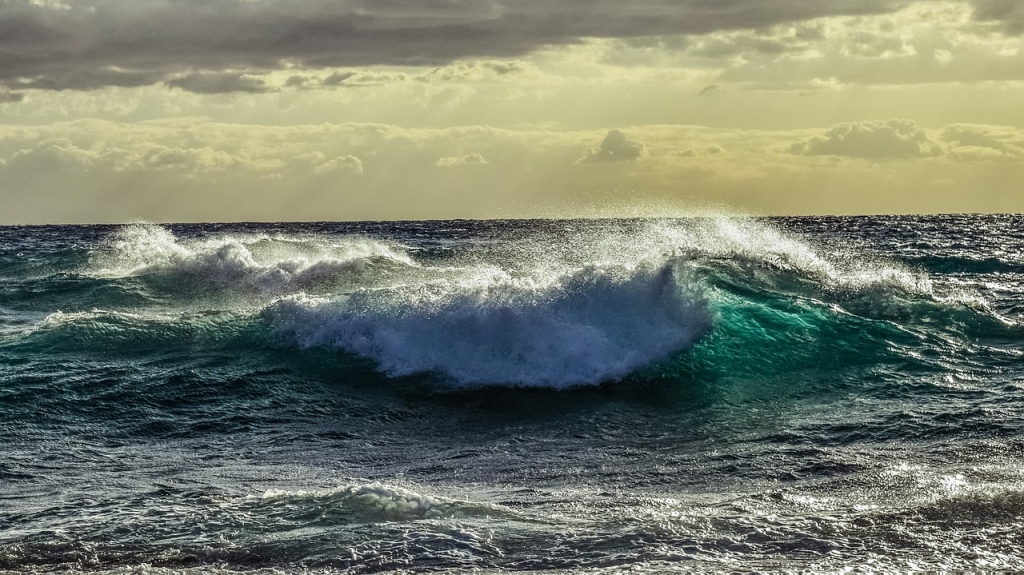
pixel 706 393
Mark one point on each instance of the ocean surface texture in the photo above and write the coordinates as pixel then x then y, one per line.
pixel 708 393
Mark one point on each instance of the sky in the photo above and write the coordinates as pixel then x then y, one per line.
pixel 285 110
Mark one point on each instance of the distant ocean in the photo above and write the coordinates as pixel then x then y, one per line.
pixel 707 394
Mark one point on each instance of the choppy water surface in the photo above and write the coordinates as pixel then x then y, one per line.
pixel 707 393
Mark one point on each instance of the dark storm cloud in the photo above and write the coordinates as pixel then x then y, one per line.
pixel 218 83
pixel 1010 13
pixel 193 44
pixel 7 97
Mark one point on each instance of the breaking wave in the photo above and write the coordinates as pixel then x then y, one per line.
pixel 247 264
pixel 585 327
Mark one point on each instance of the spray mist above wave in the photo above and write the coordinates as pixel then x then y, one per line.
pixel 750 246
pixel 244 263
pixel 752 257
pixel 747 250
pixel 282 264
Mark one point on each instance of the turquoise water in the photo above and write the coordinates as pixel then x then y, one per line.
pixel 707 394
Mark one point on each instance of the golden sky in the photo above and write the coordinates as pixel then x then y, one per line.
pixel 230 110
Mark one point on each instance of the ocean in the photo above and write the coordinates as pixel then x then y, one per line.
pixel 707 394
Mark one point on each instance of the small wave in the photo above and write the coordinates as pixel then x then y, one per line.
pixel 981 507
pixel 376 502
pixel 130 332
pixel 582 328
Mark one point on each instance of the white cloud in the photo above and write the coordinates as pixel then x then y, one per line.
pixel 943 56
pixel 873 140
pixel 692 152
pixel 473 159
pixel 186 159
pixel 346 164
pixel 969 142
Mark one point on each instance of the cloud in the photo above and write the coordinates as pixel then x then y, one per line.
pixel 926 42
pixel 8 97
pixel 192 169
pixel 980 154
pixel 219 83
pixel 968 142
pixel 871 140
pixel 55 154
pixel 468 159
pixel 692 153
pixel 94 43
pixel 903 139
pixel 185 159
pixel 474 70
pixel 141 151
pixel 468 70
pixel 1009 13
pixel 615 147
pixel 347 164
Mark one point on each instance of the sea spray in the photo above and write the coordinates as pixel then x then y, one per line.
pixel 247 264
pixel 587 327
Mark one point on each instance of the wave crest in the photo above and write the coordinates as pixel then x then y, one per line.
pixel 378 502
pixel 252 264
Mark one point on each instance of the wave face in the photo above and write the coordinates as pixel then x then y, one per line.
pixel 708 393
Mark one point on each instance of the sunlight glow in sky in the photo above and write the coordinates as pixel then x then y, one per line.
pixel 229 110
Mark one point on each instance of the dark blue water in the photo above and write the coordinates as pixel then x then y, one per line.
pixel 705 394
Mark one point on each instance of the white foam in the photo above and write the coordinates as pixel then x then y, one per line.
pixel 378 501
pixel 260 263
pixel 584 327
pixel 60 318
pixel 391 500
pixel 749 242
